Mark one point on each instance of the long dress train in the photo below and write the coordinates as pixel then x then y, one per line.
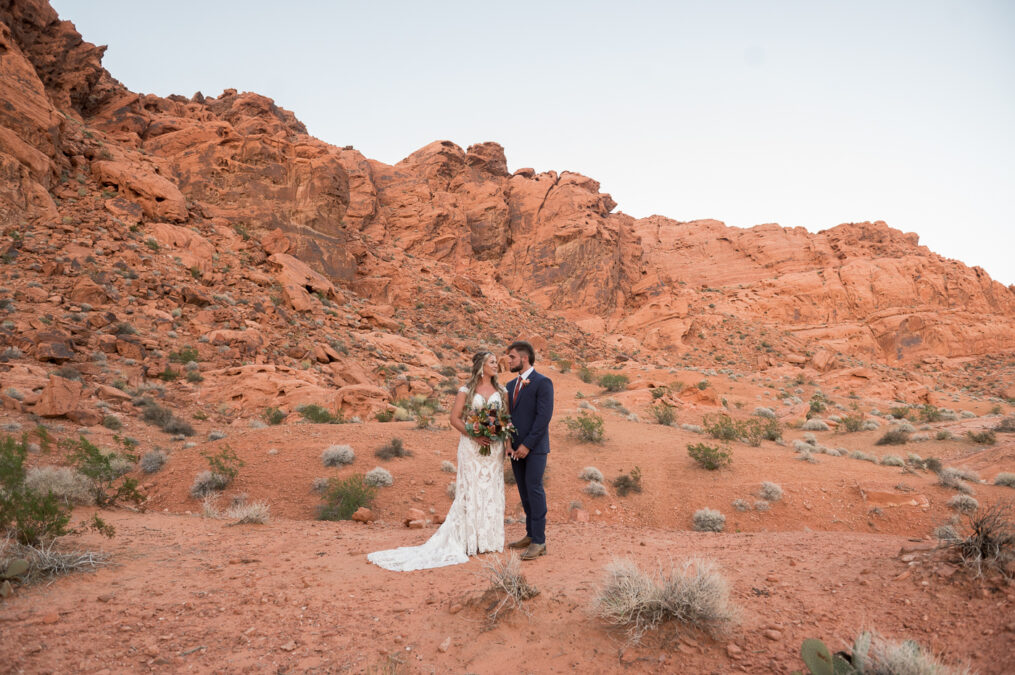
pixel 475 522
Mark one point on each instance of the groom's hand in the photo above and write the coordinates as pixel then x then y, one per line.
pixel 521 452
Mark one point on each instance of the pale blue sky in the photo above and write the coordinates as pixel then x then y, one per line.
pixel 802 113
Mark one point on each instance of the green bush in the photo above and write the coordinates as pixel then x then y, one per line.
pixel 721 426
pixel 319 415
pixel 343 496
pixel 900 412
pixel 852 423
pixel 273 416
pixel 709 456
pixel 393 448
pixel 112 422
pixel 385 415
pixel 224 463
pixel 587 427
pixel 27 516
pixel 663 412
pixel 106 469
pixel 930 413
pixel 169 375
pixel 185 355
pixel 703 385
pixel 613 382
pixel 659 392
pixel 585 374
pixel 626 483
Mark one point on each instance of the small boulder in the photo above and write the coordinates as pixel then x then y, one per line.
pixel 363 515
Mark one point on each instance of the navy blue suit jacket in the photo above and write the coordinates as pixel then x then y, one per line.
pixel 531 413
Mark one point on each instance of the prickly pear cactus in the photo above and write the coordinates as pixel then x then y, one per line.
pixel 817 657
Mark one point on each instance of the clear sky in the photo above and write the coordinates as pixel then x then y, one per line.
pixel 806 113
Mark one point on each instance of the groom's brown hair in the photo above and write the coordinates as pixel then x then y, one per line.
pixel 523 346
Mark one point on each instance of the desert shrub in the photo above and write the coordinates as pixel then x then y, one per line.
pixel 508 582
pixel 393 448
pixel 216 435
pixel 151 462
pixel 586 375
pixel 709 456
pixel 816 407
pixel 691 593
pixel 224 463
pixel 185 355
pixel 594 489
pixel 946 533
pixel 815 424
pixel 273 416
pixel 708 520
pixel 952 478
pixel 613 382
pixel 338 455
pixel 106 471
pixel 1006 479
pixel 342 497
pixel 176 426
pixel 245 513
pixel 863 456
pixel 903 426
pixel 1006 426
pixel 852 423
pixel 893 437
pixel 319 415
pixel 703 385
pixel 385 415
pixel 761 505
pixel 451 489
pixel 963 504
pixel 587 427
pixel 659 392
pixel 721 426
pixel 68 485
pixel 319 485
pixel 988 539
pixel 112 422
pixel 155 414
pixel 448 467
pixel 900 412
pixel 803 446
pixel 874 655
pixel 892 460
pixel 871 425
pixel 207 483
pixel 767 413
pixel 755 430
pixel 983 437
pixel 663 413
pixel 379 477
pixel 929 413
pixel 693 428
pixel 771 492
pixel 591 473
pixel 626 483
pixel 741 505
pixel 563 365
pixel 944 435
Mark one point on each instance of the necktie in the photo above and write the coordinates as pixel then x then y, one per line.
pixel 518 389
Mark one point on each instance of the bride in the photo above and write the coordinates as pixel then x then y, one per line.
pixel 475 523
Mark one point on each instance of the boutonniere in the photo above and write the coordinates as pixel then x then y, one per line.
pixel 521 385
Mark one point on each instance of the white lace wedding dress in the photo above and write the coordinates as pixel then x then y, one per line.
pixel 475 523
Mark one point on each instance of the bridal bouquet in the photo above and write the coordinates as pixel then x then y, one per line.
pixel 489 421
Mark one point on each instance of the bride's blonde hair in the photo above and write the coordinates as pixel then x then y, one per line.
pixel 478 360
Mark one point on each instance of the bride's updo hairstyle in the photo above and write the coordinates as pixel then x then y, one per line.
pixel 478 359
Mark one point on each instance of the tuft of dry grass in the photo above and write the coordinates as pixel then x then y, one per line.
pixel 875 655
pixel 771 492
pixel 45 561
pixel 66 484
pixel 690 593
pixel 338 455
pixel 988 540
pixel 249 513
pixel 508 586
pixel 591 473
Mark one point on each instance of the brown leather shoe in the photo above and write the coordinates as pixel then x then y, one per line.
pixel 521 543
pixel 534 551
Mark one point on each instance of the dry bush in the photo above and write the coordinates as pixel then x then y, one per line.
pixel 207 483
pixel 815 424
pixel 508 587
pixel 895 436
pixel 771 492
pixel 393 448
pixel 252 513
pixel 595 489
pixel 892 460
pixel 989 540
pixel 741 505
pixel 875 655
pixel 66 484
pixel 338 455
pixel 45 561
pixel 591 473
pixel 210 508
pixel 153 461
pixel 1006 479
pixel 709 520
pixel 963 504
pixel 953 478
pixel 448 467
pixel 378 477
pixel 691 593
pixel 1006 426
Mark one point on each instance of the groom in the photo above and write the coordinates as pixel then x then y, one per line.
pixel 530 401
